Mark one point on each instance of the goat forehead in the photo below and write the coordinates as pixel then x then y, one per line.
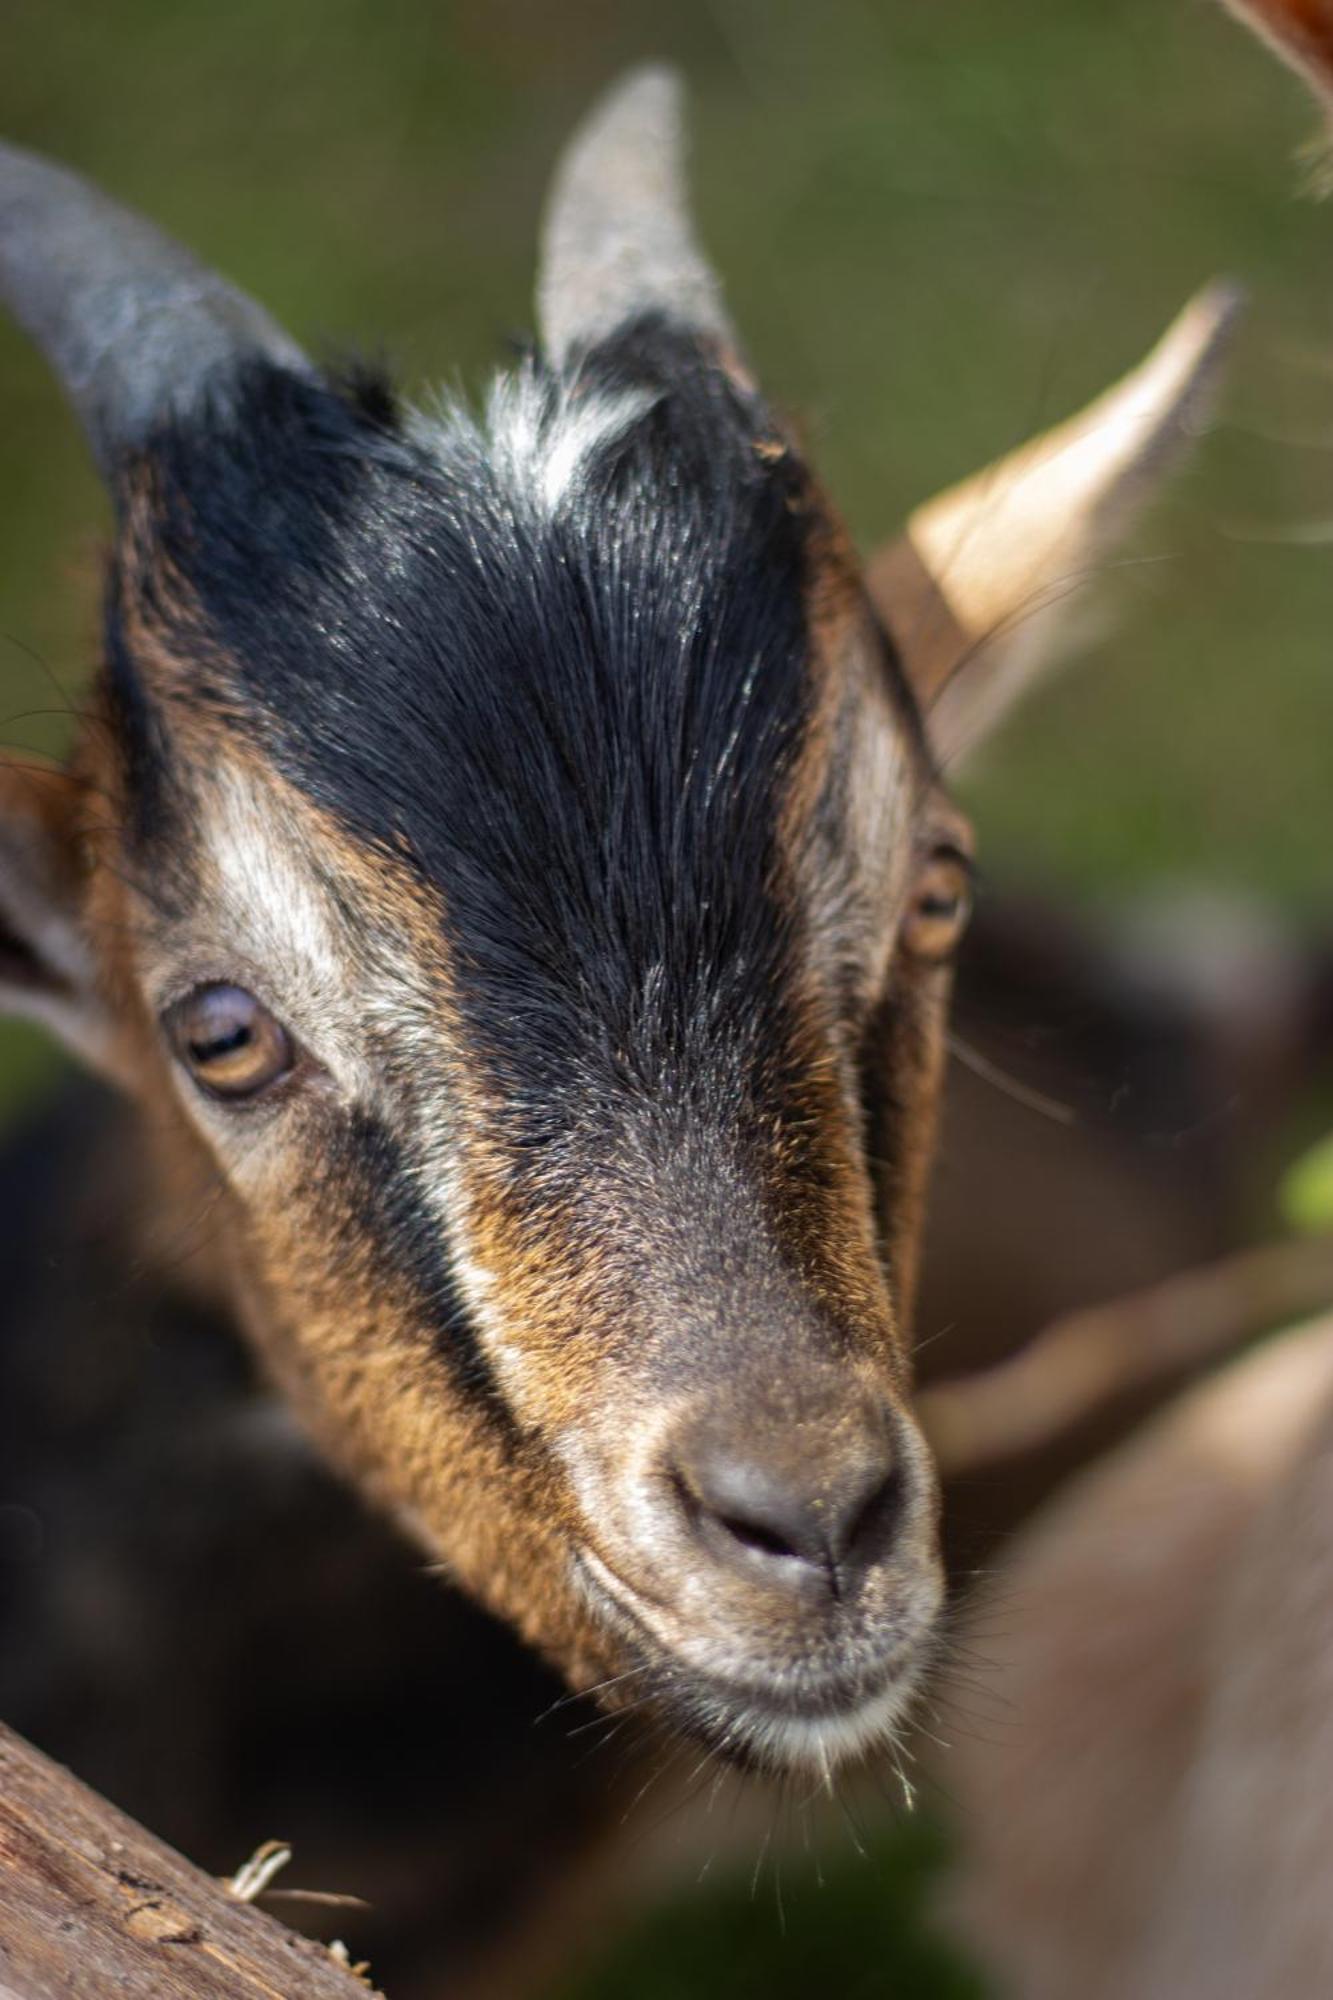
pixel 563 669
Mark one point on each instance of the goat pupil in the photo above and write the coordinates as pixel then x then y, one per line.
pixel 221 1045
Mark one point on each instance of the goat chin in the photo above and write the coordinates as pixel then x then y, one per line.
pixel 768 1716
pixel 775 1741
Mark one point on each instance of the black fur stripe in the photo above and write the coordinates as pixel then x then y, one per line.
pixel 576 725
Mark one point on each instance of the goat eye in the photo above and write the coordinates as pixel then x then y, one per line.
pixel 228 1041
pixel 940 907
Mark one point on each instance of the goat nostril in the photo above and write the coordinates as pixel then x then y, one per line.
pixel 754 1535
pixel 795 1512
pixel 874 1522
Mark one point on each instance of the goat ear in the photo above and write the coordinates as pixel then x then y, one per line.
pixel 617 241
pixel 46 969
pixel 978 589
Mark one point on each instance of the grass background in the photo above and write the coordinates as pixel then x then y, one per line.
pixel 940 228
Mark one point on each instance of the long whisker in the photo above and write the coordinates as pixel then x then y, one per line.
pixel 1021 1093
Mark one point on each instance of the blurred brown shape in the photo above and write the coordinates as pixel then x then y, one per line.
pixel 1142 1799
pixel 1073 1367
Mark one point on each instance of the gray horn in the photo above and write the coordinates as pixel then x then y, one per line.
pixel 134 327
pixel 618 241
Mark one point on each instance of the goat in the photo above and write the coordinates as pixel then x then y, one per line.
pixel 509 861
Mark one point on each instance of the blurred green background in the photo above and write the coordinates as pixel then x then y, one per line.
pixel 940 229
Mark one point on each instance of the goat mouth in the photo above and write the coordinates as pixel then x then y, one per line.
pixel 764 1731
pixel 787 1721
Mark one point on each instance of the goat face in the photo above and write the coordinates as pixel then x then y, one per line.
pixel 513 847
pixel 537 871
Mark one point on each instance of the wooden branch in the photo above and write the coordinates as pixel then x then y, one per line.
pixel 93 1906
pixel 1083 1361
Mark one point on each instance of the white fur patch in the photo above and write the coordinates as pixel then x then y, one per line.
pixel 546 446
pixel 542 439
pixel 824 1742
pixel 265 920
pixel 442 1186
pixel 264 880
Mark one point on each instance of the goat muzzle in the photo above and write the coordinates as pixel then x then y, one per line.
pixel 769 1561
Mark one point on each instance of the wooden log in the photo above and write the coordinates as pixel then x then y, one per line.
pixel 94 1908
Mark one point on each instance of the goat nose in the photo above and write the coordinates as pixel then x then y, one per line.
pixel 787 1514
